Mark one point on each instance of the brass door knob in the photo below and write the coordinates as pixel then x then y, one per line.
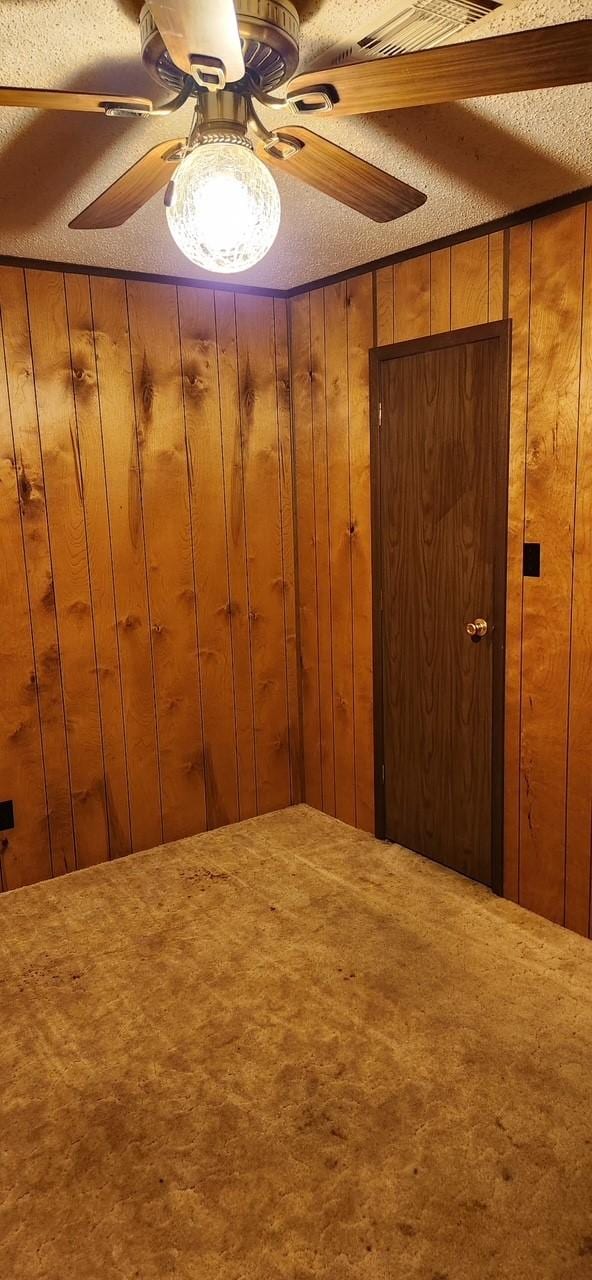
pixel 476 628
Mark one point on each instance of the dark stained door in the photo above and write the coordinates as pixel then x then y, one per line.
pixel 440 495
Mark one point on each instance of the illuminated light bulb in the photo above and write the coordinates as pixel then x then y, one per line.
pixel 225 210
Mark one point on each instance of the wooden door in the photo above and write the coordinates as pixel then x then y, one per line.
pixel 439 462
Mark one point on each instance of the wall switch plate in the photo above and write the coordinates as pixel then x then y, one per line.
pixel 6 815
pixel 532 560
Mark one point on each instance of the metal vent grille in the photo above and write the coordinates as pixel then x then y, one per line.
pixel 413 26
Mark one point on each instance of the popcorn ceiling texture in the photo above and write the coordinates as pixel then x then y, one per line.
pixel 475 160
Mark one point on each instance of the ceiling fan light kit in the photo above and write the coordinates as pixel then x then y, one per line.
pixel 222 203
pixel 224 207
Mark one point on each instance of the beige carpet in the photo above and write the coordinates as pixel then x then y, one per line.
pixel 286 1050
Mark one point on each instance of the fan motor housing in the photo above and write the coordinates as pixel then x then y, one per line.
pixel 269 30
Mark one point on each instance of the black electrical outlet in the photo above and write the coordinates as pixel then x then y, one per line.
pixel 532 559
pixel 6 815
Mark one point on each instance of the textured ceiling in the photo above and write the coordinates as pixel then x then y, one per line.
pixel 475 160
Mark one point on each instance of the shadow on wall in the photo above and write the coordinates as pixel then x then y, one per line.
pixel 54 150
pixel 479 153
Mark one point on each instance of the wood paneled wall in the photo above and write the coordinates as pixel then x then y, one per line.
pixel 540 274
pixel 148 673
pixel 149 682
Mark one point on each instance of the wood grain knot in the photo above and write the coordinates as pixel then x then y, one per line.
pixel 147 389
pixel 196 384
pixel 79 608
pixel 130 622
pixel 249 398
pixel 85 794
pixel 51 658
pixel 194 766
pixel 25 486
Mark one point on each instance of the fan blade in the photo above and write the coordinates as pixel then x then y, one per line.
pixel 338 173
pixel 129 192
pixel 536 59
pixel 56 100
pixel 201 29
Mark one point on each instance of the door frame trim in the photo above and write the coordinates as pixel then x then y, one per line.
pixel 502 331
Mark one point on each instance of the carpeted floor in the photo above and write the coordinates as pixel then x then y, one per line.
pixel 286 1050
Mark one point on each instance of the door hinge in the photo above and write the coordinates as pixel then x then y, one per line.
pixel 382 774
pixel 379 414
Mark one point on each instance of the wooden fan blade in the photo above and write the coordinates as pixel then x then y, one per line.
pixel 338 173
pixel 201 29
pixel 56 100
pixel 536 59
pixel 129 192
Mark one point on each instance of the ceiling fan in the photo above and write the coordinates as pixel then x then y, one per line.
pixel 222 203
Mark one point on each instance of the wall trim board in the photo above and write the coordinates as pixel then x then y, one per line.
pixel 114 273
pixel 503 223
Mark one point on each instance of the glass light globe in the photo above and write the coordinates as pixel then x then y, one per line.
pixel 225 212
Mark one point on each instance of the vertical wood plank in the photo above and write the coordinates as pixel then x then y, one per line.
pixel 206 490
pixel 31 484
pixel 338 460
pixel 412 298
pixel 282 374
pixel 440 291
pixel 88 427
pixel 495 305
pixel 385 306
pixel 555 332
pixel 156 362
pixel 120 453
pixel 469 276
pixel 64 493
pixel 255 327
pixel 304 478
pixel 359 340
pixel 25 851
pixel 579 774
pixel 232 459
pixel 322 544
pixel 519 311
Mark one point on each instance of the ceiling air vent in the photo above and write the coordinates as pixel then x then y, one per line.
pixel 404 27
